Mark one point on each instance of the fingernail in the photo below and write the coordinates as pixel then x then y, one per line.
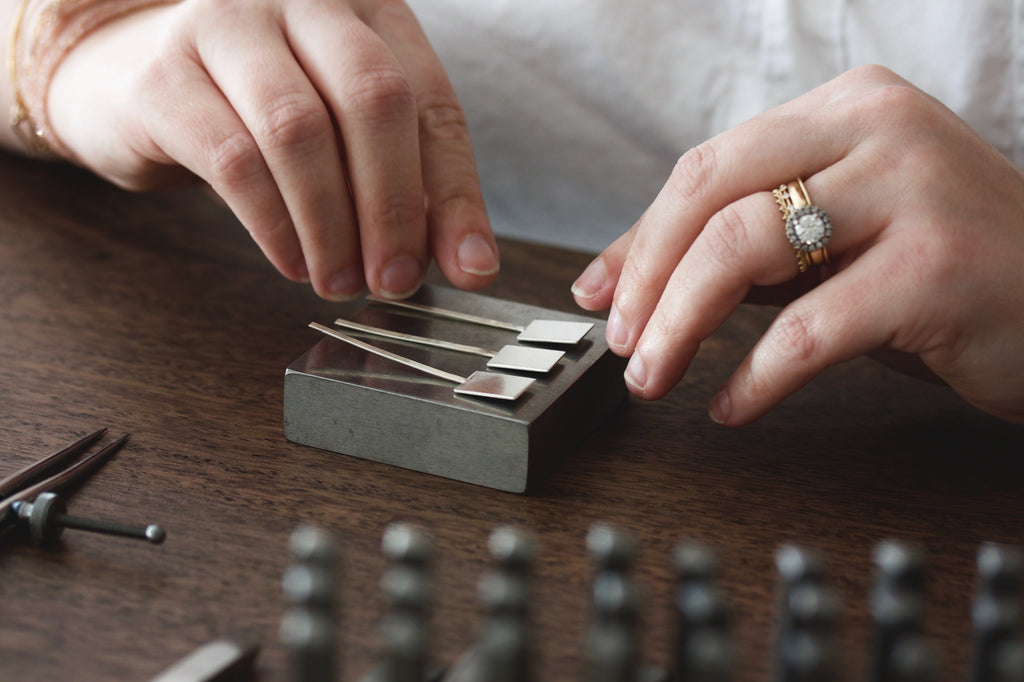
pixel 347 284
pixel 476 256
pixel 636 372
pixel 301 270
pixel 616 333
pixel 592 281
pixel 719 407
pixel 401 277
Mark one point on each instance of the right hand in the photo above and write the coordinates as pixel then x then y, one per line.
pixel 329 128
pixel 926 255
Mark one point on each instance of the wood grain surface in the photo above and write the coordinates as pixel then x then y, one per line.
pixel 156 315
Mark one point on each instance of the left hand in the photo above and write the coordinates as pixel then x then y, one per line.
pixel 330 129
pixel 926 252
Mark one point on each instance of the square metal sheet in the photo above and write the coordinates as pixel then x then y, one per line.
pixel 555 331
pixel 524 359
pixel 494 385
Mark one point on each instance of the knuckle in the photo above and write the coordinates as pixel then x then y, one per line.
pixel 395 212
pixel 871 73
pixel 393 13
pixel 461 205
pixel 901 102
pixel 897 103
pixel 381 94
pixel 234 159
pixel 442 118
pixel 728 236
pixel 266 232
pixel 665 335
pixel 693 173
pixel 291 121
pixel 635 277
pixel 796 340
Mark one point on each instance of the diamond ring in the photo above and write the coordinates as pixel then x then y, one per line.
pixel 808 227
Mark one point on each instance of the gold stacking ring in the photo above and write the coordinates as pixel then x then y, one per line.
pixel 808 227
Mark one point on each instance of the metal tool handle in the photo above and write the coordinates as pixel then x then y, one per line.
pixel 369 348
pixel 412 338
pixel 450 314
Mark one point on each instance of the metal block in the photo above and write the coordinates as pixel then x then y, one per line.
pixel 340 398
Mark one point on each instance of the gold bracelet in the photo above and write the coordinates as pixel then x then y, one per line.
pixel 24 128
pixel 43 33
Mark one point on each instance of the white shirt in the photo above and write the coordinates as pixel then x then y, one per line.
pixel 578 109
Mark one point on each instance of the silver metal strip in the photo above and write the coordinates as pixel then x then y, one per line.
pixel 369 348
pixel 412 338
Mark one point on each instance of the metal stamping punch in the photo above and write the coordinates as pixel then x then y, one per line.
pixel 480 384
pixel 519 358
pixel 558 332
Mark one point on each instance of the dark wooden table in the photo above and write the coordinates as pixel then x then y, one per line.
pixel 156 315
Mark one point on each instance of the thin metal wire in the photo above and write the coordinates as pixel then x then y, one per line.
pixel 560 332
pixel 369 348
pixel 412 338
pixel 450 314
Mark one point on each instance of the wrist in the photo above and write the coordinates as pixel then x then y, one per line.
pixel 43 32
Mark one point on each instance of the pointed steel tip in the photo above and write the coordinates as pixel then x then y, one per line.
pixel 120 441
pixel 86 441
pixel 107 450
